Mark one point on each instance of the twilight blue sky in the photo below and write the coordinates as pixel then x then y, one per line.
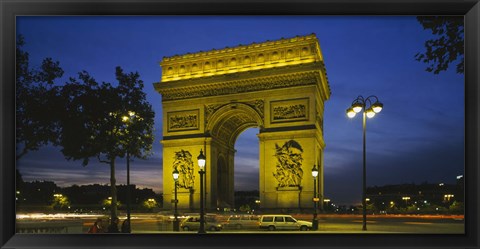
pixel 418 137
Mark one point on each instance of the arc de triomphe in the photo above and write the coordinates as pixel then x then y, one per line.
pixel 209 98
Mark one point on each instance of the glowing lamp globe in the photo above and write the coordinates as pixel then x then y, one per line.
pixel 370 113
pixel 377 107
pixel 201 160
pixel 314 171
pixel 175 174
pixel 357 107
pixel 351 113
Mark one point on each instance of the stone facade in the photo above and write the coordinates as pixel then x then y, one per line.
pixel 209 98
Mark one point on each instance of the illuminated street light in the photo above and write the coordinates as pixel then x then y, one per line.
pixel 201 165
pixel 175 214
pixel 447 197
pixel 357 107
pixel 127 119
pixel 406 198
pixel 369 111
pixel 315 198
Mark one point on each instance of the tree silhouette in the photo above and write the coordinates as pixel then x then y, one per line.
pixel 94 122
pixel 448 47
pixel 35 108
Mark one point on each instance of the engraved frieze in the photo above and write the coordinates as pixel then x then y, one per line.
pixel 289 110
pixel 240 86
pixel 183 120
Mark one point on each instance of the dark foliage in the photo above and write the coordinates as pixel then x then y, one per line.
pixel 104 121
pixel 35 105
pixel 448 47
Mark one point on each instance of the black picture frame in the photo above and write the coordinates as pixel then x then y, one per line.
pixel 11 8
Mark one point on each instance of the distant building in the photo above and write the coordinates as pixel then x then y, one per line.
pixel 425 196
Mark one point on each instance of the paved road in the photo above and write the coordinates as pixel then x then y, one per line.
pixel 154 223
pixel 346 224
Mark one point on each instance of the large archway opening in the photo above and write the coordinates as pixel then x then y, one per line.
pixel 234 171
pixel 247 161
pixel 247 171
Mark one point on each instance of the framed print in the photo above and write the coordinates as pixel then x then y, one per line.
pixel 259 101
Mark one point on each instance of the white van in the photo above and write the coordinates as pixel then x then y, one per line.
pixel 283 222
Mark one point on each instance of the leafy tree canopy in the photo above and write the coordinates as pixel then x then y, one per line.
pixel 105 121
pixel 35 113
pixel 447 47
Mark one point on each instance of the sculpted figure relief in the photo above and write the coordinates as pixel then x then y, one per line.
pixel 289 112
pixel 184 164
pixel 289 171
pixel 183 121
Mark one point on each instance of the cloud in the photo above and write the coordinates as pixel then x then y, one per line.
pixel 246 180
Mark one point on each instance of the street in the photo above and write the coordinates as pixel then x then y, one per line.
pixel 425 224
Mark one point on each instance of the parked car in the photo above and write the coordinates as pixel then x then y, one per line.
pixel 192 223
pixel 242 222
pixel 283 222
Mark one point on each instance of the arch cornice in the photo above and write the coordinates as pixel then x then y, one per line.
pixel 273 78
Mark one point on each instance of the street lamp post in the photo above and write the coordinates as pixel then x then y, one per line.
pixel 369 111
pixel 128 193
pixel 127 119
pixel 315 198
pixel 201 164
pixel 176 226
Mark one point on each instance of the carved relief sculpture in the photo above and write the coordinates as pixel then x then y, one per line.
pixel 290 110
pixel 210 109
pixel 184 165
pixel 183 120
pixel 289 171
pixel 240 86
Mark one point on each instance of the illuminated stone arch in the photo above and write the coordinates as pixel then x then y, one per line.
pixel 283 96
pixel 230 120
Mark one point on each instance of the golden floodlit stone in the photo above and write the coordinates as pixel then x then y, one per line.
pixel 210 97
